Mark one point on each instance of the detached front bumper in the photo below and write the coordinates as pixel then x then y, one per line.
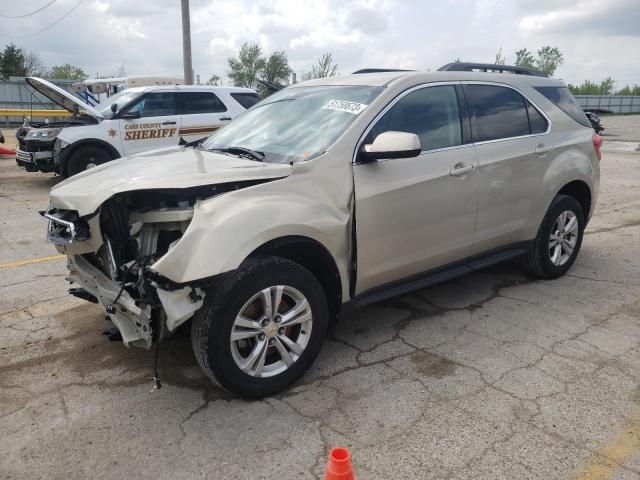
pixel 132 321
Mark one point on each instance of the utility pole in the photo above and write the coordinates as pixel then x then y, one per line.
pixel 186 43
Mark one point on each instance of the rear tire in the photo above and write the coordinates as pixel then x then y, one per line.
pixel 236 325
pixel 85 158
pixel 559 239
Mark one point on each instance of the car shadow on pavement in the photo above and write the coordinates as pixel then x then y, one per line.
pixel 363 330
pixel 79 350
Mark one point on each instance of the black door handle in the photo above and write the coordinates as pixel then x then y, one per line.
pixel 168 123
pixel 224 119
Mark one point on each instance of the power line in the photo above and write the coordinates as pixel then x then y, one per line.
pixel 48 26
pixel 29 14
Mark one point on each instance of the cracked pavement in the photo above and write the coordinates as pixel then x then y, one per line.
pixel 492 375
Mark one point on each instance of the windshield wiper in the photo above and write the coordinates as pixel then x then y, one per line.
pixel 246 152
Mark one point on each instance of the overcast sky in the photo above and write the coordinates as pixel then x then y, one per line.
pixel 597 37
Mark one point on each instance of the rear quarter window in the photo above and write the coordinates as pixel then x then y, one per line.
pixel 562 98
pixel 537 122
pixel 247 100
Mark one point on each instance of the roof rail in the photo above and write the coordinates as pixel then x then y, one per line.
pixel 490 67
pixel 381 70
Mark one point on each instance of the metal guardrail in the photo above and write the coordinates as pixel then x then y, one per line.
pixel 613 103
pixel 23 112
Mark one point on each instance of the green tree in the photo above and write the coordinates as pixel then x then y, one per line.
pixel 324 68
pixel 277 68
pixel 67 72
pixel 549 59
pixel 246 67
pixel 499 60
pixel 605 87
pixel 12 62
pixel 524 58
pixel 629 90
pixel 214 80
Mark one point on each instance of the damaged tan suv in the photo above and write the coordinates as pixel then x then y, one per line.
pixel 329 194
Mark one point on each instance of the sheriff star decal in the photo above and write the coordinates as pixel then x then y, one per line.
pixel 112 132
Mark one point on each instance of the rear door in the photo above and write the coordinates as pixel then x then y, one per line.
pixel 510 140
pixel 202 114
pixel 157 125
pixel 414 214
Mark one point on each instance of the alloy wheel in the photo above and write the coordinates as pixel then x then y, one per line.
pixel 271 331
pixel 563 238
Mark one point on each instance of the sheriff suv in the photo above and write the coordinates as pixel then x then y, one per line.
pixel 132 121
pixel 330 194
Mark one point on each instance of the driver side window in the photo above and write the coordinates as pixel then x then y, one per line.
pixel 158 104
pixel 431 113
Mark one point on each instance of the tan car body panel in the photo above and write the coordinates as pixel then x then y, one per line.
pixel 315 199
pixel 226 229
pixel 172 167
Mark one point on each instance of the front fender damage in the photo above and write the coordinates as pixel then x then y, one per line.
pixel 114 264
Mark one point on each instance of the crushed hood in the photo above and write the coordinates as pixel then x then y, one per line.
pixel 63 98
pixel 174 167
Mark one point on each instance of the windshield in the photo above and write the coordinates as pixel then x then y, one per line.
pixel 121 99
pixel 295 124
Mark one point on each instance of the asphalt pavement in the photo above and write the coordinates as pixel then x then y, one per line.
pixel 493 375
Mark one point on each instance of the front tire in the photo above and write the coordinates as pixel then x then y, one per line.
pixel 559 239
pixel 85 158
pixel 262 327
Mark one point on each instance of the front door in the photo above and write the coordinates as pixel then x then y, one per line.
pixel 414 214
pixel 157 125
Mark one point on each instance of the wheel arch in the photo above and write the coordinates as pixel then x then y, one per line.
pixel 313 256
pixel 579 190
pixel 87 142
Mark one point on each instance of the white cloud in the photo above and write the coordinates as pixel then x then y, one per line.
pixel 598 38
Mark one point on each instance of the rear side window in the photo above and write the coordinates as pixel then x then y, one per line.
pixel 200 102
pixel 247 100
pixel 431 113
pixel 497 112
pixel 562 98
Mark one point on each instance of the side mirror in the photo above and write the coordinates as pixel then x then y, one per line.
pixel 130 115
pixel 392 145
pixel 114 107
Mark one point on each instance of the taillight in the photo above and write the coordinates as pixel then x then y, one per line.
pixel 597 143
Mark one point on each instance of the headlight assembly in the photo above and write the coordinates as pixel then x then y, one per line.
pixel 65 227
pixel 43 133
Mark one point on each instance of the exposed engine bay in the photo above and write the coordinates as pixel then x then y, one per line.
pixel 110 253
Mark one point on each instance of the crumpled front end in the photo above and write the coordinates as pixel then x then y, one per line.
pixel 109 255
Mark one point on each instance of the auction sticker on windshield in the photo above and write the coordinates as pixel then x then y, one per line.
pixel 345 106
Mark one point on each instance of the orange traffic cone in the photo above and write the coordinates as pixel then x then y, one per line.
pixel 339 465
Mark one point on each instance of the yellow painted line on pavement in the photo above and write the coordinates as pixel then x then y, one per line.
pixel 606 462
pixel 29 261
